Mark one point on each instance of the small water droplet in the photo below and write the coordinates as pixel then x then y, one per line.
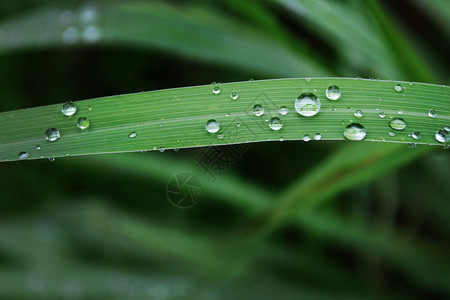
pixel 415 135
pixel 380 99
pixel 283 110
pixel 220 136
pixel 23 155
pixel 354 132
pixel 432 113
pixel 397 124
pixel 391 133
pixel 91 34
pixel 212 126
pixel 69 109
pixel 160 125
pixel 132 135
pixel 238 124
pixel 161 149
pixel 216 90
pixel 332 108
pixel 382 115
pixel 154 148
pixel 398 88
pixel 51 159
pixel 90 108
pixel 442 135
pixel 358 114
pixel 317 137
pixel 234 96
pixel 400 111
pixel 83 123
pixel 70 36
pixel 275 124
pixel 52 134
pixel 333 92
pixel 38 147
pixel 306 138
pixel 227 115
pixel 258 110
pixel 307 104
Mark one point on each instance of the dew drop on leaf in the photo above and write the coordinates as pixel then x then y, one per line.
pixel 83 123
pixel 397 124
pixel 333 92
pixel 234 96
pixel 398 88
pixel 132 135
pixel 317 137
pixel 382 115
pixel 258 110
pixel 354 132
pixel 442 135
pixel 432 113
pixel 23 155
pixel 283 110
pixel 212 126
pixel 358 114
pixel 52 134
pixel 216 90
pixel 306 138
pixel 415 135
pixel 69 109
pixel 275 124
pixel 307 104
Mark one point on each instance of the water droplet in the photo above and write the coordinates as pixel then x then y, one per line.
pixel 220 136
pixel 90 108
pixel 307 104
pixel 154 148
pixel 308 78
pixel 51 159
pixel 382 115
pixel 38 147
pixel 234 95
pixel 91 34
pixel 212 126
pixel 317 137
pixel 354 132
pixel 275 123
pixel 216 90
pixel 333 92
pixel 132 135
pixel 227 114
pixel 258 110
pixel 415 135
pixel 358 114
pixel 52 134
pixel 432 113
pixel 442 135
pixel 283 110
pixel 397 124
pixel 332 108
pixel 400 111
pixel 391 133
pixel 160 125
pixel 238 124
pixel 70 36
pixel 412 145
pixel 83 123
pixel 23 155
pixel 398 88
pixel 306 138
pixel 69 109
pixel 161 149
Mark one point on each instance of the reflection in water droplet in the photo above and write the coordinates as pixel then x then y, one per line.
pixel 442 135
pixel 283 110
pixel 307 104
pixel 216 90
pixel 52 134
pixel 391 133
pixel 132 135
pixel 432 113
pixel 333 92
pixel 317 136
pixel 234 95
pixel 51 159
pixel 397 124
pixel 38 147
pixel 400 111
pixel 258 110
pixel 83 123
pixel 358 114
pixel 306 138
pixel 212 126
pixel 69 109
pixel 23 155
pixel 415 135
pixel 354 132
pixel 398 88
pixel 382 115
pixel 275 123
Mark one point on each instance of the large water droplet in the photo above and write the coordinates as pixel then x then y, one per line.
pixel 442 135
pixel 212 126
pixel 283 110
pixel 234 95
pixel 23 155
pixel 354 132
pixel 258 110
pixel 398 88
pixel 216 90
pixel 52 134
pixel 358 114
pixel 69 109
pixel 275 123
pixel 307 104
pixel 83 123
pixel 432 113
pixel 415 135
pixel 397 124
pixel 333 92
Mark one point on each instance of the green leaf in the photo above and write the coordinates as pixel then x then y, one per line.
pixel 176 118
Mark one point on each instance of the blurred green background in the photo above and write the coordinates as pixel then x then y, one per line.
pixel 283 220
